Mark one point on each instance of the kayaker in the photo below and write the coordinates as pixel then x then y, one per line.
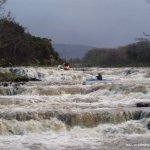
pixel 66 66
pixel 99 77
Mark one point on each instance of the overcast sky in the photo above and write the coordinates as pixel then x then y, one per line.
pixel 101 23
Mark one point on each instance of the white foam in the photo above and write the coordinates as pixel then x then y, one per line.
pixel 63 92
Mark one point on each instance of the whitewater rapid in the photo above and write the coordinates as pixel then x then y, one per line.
pixel 64 112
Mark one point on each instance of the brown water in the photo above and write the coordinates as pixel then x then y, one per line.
pixel 65 112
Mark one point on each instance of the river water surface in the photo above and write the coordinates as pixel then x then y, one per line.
pixel 64 112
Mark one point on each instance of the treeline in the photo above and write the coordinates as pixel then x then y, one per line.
pixel 136 54
pixel 20 48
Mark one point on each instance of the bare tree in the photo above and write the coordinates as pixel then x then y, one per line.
pixel 2 11
pixel 145 34
pixel 2 2
pixel 147 1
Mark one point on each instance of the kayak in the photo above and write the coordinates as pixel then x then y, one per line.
pixel 93 81
pixel 66 68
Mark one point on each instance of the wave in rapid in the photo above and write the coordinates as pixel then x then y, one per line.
pixel 63 111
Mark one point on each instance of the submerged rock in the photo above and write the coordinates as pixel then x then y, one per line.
pixel 130 71
pixel 148 126
pixel 143 104
pixel 5 84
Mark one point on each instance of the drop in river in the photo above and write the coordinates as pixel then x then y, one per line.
pixel 63 112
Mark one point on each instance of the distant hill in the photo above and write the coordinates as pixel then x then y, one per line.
pixel 71 51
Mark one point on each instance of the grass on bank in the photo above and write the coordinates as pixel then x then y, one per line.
pixel 9 77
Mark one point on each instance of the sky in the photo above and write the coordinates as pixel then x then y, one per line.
pixel 99 23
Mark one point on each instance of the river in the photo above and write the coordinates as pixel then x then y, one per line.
pixel 64 112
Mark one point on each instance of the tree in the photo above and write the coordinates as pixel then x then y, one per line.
pixel 1 8
pixel 147 1
pixel 147 35
pixel 2 2
pixel 20 48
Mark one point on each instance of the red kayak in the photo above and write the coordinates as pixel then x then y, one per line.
pixel 66 68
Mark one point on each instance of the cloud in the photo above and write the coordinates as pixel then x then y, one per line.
pixel 102 23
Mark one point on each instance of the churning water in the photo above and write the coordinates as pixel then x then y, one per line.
pixel 64 112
